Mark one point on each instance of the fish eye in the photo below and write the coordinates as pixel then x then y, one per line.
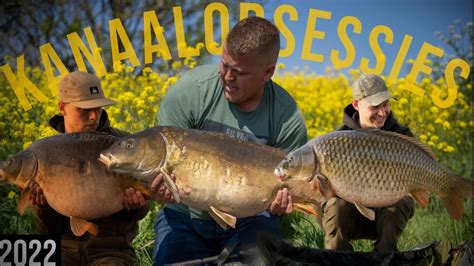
pixel 129 144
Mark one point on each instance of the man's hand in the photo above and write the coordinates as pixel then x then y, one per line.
pixel 133 199
pixel 37 197
pixel 159 191
pixel 282 203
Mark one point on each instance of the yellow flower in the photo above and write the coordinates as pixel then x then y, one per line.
pixel 434 109
pixel 423 137
pixel 449 149
pixel 11 194
pixel 446 125
pixel 176 65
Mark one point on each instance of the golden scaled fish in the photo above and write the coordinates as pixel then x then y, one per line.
pixel 74 182
pixel 375 168
pixel 224 176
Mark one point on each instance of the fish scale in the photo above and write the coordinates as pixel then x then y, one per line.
pixel 372 173
pixel 375 168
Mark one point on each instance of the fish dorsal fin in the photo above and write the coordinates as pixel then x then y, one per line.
pixel 24 200
pixel 305 208
pixel 80 226
pixel 368 213
pixel 424 147
pixel 171 184
pixel 223 219
pixel 421 197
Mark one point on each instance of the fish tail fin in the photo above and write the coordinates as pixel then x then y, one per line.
pixel 463 187
pixel 454 201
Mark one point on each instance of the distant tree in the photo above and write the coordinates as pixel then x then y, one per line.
pixel 27 24
pixel 460 39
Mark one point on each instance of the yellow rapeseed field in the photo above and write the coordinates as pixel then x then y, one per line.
pixel 320 97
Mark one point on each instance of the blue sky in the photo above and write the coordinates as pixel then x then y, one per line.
pixel 418 18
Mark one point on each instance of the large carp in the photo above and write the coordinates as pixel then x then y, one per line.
pixel 74 182
pixel 227 177
pixel 375 168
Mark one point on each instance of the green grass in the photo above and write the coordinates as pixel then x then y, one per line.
pixel 426 225
pixel 431 223
pixel 11 222
pixel 144 241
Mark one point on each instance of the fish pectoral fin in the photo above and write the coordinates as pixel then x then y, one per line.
pixel 305 208
pixel 325 187
pixel 80 226
pixel 24 200
pixel 171 185
pixel 222 218
pixel 421 197
pixel 367 212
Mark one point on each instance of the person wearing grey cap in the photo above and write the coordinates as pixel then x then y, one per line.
pixel 341 220
pixel 81 100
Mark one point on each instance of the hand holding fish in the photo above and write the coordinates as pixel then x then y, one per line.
pixel 159 191
pixel 282 203
pixel 133 199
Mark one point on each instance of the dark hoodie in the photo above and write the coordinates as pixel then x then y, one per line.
pixel 350 121
pixel 122 226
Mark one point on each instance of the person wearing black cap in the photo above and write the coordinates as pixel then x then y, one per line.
pixel 341 220
pixel 81 100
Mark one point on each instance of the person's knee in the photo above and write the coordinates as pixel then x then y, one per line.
pixel 400 212
pixel 335 212
pixel 406 207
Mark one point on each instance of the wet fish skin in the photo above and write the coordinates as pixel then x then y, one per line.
pixel 227 177
pixel 73 181
pixel 375 168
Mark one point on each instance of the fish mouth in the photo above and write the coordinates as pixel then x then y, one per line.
pixel 280 173
pixel 283 175
pixel 109 160
pixel 113 165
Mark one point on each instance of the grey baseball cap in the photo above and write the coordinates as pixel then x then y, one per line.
pixel 83 90
pixel 370 88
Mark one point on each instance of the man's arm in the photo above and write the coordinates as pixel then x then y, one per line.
pixel 180 106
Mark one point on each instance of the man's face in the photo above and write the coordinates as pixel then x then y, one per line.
pixel 244 79
pixel 79 120
pixel 371 116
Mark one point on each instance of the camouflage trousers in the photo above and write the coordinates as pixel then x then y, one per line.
pixel 342 222
pixel 108 251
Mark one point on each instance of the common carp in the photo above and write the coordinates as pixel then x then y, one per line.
pixel 227 177
pixel 375 168
pixel 74 182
